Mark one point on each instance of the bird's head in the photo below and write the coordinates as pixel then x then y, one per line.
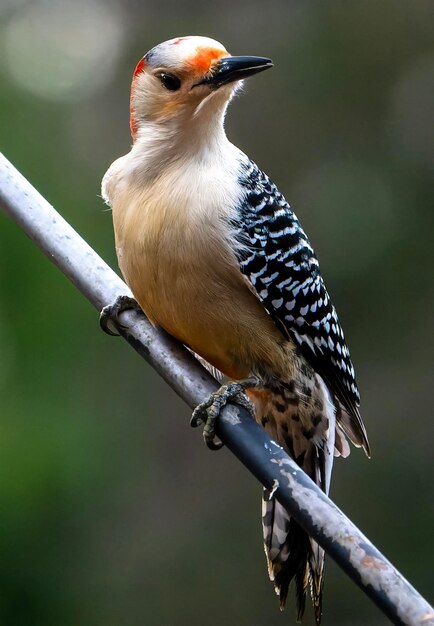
pixel 186 77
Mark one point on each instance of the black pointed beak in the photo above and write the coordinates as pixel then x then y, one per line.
pixel 231 69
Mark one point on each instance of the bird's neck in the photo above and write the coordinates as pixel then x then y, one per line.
pixel 185 137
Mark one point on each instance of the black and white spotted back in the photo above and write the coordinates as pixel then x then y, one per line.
pixel 277 258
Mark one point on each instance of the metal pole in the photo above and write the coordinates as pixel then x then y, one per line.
pixel 320 517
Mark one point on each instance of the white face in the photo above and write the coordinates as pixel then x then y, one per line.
pixel 165 82
pixel 187 78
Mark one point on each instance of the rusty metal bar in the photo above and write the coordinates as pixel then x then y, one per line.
pixel 321 518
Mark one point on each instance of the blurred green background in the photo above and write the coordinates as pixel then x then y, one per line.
pixel 112 512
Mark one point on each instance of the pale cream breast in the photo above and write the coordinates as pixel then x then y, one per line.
pixel 173 242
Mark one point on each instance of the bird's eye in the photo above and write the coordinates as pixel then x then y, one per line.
pixel 170 81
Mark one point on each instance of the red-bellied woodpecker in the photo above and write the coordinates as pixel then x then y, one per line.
pixel 214 255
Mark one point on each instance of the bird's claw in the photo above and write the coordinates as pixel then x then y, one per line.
pixel 109 316
pixel 208 411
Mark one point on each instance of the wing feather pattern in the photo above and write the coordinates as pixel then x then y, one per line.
pixel 278 260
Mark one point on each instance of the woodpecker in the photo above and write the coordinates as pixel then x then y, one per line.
pixel 214 254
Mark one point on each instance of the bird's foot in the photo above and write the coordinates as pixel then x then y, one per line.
pixel 207 412
pixel 109 316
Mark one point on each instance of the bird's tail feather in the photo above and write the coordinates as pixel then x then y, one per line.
pixel 306 430
pixel 292 556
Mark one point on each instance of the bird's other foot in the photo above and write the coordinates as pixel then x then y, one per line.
pixel 109 316
pixel 207 412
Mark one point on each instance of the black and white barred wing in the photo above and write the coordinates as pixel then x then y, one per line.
pixel 280 264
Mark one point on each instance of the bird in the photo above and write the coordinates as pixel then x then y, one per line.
pixel 215 256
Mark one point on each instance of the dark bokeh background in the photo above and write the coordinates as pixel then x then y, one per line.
pixel 112 512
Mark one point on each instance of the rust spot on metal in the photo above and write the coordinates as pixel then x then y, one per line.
pixel 371 561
